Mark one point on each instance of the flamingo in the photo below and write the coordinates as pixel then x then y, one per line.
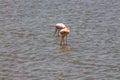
pixel 64 32
pixel 58 27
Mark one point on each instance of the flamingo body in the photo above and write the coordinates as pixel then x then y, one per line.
pixel 58 27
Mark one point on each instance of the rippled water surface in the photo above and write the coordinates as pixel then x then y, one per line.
pixel 29 52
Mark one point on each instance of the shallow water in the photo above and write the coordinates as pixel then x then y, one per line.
pixel 29 52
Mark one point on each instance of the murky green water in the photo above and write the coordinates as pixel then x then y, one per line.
pixel 28 52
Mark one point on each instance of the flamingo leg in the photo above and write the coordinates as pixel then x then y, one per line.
pixel 66 39
pixel 62 40
pixel 58 32
pixel 55 32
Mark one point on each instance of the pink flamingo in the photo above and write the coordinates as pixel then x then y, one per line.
pixel 64 32
pixel 58 27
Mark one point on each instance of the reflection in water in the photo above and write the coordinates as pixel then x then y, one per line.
pixel 65 49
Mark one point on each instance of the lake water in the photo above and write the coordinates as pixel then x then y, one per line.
pixel 28 51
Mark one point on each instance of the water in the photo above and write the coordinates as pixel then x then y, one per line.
pixel 29 52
